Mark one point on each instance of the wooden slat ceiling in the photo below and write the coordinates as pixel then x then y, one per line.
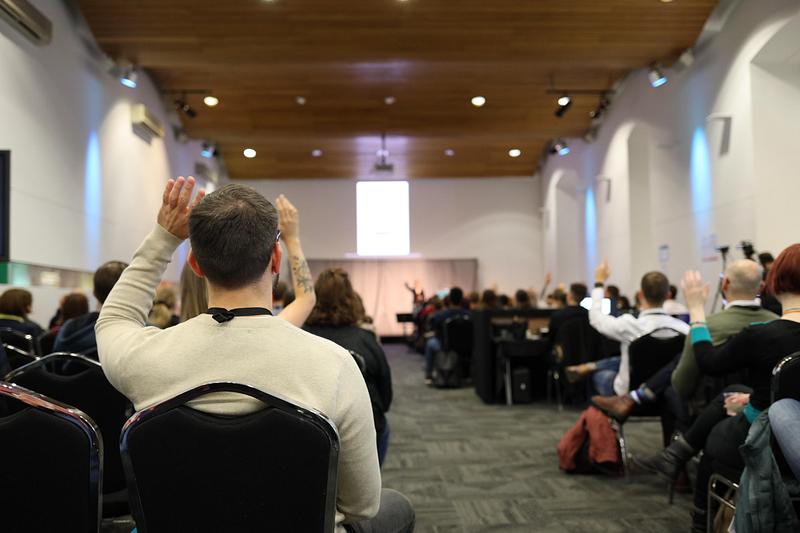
pixel 344 57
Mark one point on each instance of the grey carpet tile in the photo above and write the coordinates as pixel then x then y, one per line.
pixel 471 468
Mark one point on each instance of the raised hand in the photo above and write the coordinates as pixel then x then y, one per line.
pixel 175 206
pixel 602 272
pixel 289 219
pixel 694 290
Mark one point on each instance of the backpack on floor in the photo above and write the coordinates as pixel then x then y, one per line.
pixel 446 369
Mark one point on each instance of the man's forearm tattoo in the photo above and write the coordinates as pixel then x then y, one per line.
pixel 302 275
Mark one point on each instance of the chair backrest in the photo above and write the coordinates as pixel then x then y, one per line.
pixel 51 458
pixel 360 361
pixel 786 378
pixel 85 387
pixel 17 357
pixel 23 341
pixel 188 470
pixel 651 352
pixel 457 333
pixel 579 341
pixel 46 341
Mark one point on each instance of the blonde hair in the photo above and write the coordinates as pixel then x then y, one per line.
pixel 160 316
pixel 194 294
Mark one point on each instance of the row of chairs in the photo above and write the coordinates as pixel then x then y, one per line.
pixel 175 468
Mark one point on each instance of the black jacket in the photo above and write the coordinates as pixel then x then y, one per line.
pixel 77 335
pixel 377 374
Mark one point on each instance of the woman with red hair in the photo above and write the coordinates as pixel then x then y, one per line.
pixel 754 353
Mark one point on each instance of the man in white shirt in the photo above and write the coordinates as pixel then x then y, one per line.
pixel 234 233
pixel 611 376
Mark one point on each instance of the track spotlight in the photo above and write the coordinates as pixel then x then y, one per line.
pixel 183 106
pixel 564 103
pixel 656 77
pixel 514 152
pixel 128 77
pixel 210 101
pixel 478 101
pixel 249 153
pixel 208 151
pixel 559 147
pixel 316 152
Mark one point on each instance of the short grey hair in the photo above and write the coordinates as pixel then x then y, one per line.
pixel 745 276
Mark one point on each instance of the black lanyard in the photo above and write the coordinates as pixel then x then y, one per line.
pixel 224 315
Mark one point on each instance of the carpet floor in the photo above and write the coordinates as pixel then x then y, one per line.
pixel 471 467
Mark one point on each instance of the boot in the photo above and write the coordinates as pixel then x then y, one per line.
pixel 670 462
pixel 699 520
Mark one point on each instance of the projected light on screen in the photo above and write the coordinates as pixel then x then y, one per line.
pixel 382 223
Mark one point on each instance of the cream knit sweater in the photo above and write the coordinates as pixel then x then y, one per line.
pixel 150 365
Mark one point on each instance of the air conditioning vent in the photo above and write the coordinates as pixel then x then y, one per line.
pixel 144 120
pixel 28 20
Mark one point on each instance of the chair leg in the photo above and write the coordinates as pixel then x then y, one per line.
pixel 671 496
pixel 509 400
pixel 623 448
pixel 559 392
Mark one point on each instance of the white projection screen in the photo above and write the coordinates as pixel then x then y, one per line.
pixel 382 224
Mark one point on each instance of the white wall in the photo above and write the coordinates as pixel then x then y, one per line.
pixel 661 151
pixel 495 220
pixel 84 188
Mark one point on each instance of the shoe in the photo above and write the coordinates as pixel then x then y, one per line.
pixel 699 520
pixel 618 407
pixel 576 373
pixel 670 462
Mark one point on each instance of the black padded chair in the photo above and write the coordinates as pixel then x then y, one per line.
pixel 188 470
pixel 646 356
pixel 23 341
pixel 46 341
pixel 525 365
pixel 785 384
pixel 51 466
pixel 85 386
pixel 18 357
pixel 576 342
pixel 457 335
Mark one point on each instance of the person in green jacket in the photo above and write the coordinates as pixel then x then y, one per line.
pixel 740 285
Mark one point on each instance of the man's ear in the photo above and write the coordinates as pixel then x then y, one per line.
pixel 277 255
pixel 193 264
pixel 726 282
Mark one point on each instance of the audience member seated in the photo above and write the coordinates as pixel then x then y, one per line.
pixel 784 418
pixel 577 292
pixel 522 300
pixel 337 317
pixel 557 299
pixel 768 301
pixel 474 301
pixel 77 335
pixel 624 306
pixel 72 305
pixel 612 292
pixel 489 300
pixel 674 307
pixel 740 286
pixel 611 375
pixel 194 296
pixel 234 233
pixel 162 315
pixel 435 323
pixel 503 301
pixel 754 351
pixel 195 291
pixel 279 296
pixel 15 306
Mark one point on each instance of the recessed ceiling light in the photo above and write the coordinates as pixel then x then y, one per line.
pixel 210 101
pixel 301 100
pixel 514 152
pixel 564 100
pixel 449 152
pixel 666 1
pixel 249 153
pixel 316 153
pixel 478 101
pixel 389 100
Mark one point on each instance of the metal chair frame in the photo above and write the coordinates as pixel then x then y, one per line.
pixel 308 414
pixel 33 343
pixel 42 361
pixel 80 420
